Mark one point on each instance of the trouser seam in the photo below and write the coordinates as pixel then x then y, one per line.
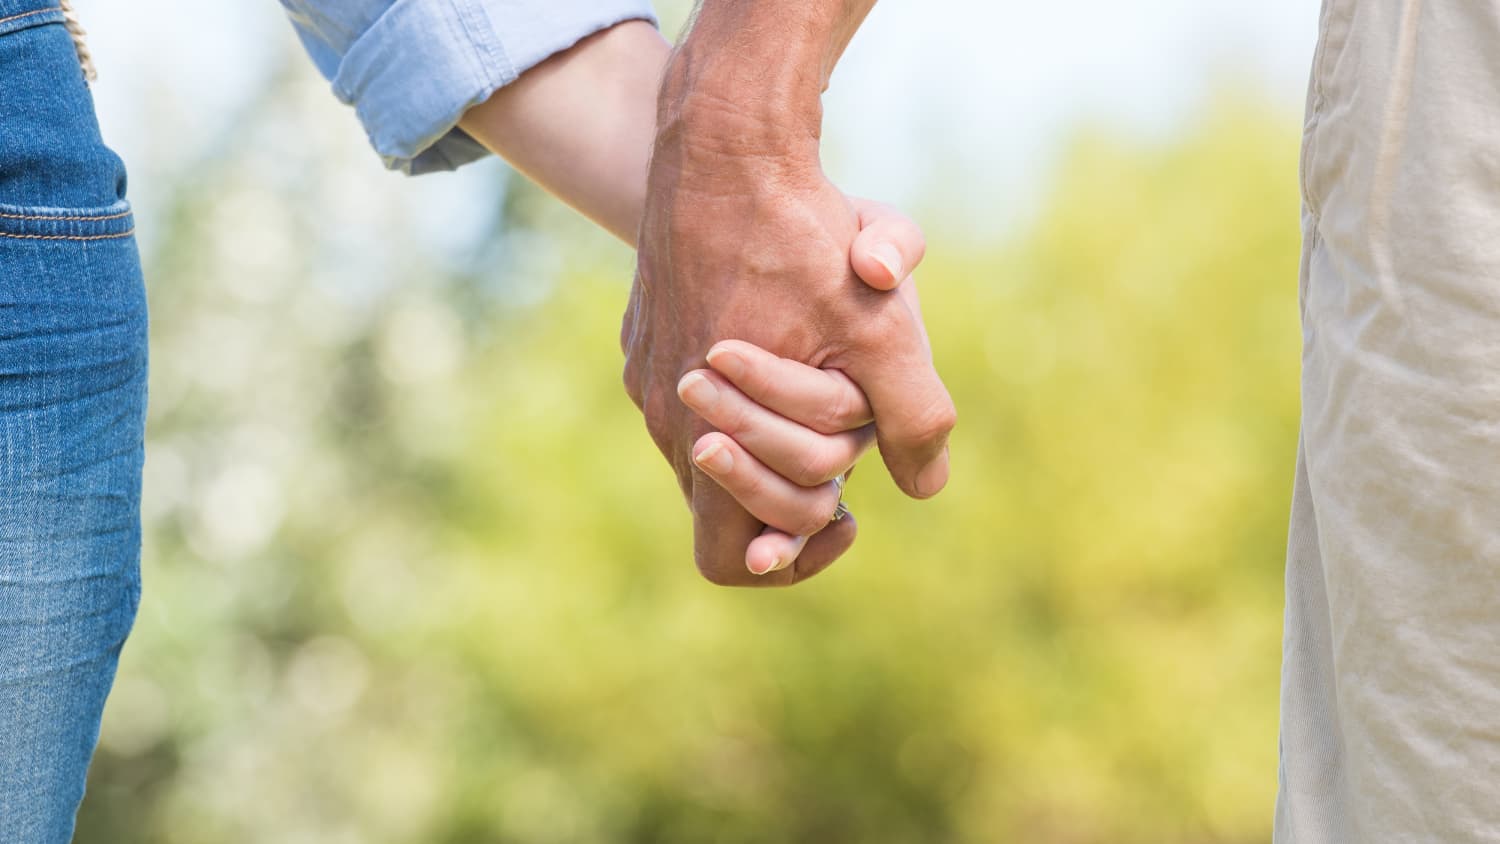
pixel 126 233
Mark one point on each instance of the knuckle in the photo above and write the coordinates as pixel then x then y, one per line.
pixel 653 407
pixel 627 327
pixel 933 425
pixel 635 334
pixel 757 377
pixel 730 416
pixel 757 381
pixel 811 523
pixel 882 328
pixel 630 376
pixel 840 414
pixel 660 423
pixel 817 467
pixel 749 486
pixel 817 517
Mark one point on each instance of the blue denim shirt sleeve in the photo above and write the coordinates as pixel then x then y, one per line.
pixel 411 68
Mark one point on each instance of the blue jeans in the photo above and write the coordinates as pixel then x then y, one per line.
pixel 72 418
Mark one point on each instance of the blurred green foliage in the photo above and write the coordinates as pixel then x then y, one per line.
pixel 415 573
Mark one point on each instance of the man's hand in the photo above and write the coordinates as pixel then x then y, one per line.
pixel 744 238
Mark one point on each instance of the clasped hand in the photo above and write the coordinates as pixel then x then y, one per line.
pixel 767 355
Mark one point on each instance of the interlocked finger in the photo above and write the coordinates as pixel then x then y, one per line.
pixel 796 452
pixel 767 496
pixel 825 400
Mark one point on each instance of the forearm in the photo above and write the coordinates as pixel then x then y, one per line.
pixel 748 77
pixel 581 124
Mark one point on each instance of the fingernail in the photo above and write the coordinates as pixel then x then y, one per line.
pixel 889 257
pixel 775 563
pixel 696 390
pixel 727 362
pixel 934 476
pixel 716 459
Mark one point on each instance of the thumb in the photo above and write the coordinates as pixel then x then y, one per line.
pixel 889 245
pixel 913 412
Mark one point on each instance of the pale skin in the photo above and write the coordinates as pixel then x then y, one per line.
pixel 583 125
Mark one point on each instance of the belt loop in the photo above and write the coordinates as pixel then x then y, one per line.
pixel 75 29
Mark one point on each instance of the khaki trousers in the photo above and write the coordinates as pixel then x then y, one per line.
pixel 1390 724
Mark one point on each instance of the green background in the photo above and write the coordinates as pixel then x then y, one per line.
pixel 415 573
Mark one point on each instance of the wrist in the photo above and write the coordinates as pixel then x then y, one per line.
pixel 743 85
pixel 712 117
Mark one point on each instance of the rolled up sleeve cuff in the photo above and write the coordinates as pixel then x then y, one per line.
pixel 423 63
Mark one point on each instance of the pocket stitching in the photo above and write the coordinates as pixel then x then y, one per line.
pixel 127 233
pixel 75 219
pixel 35 223
pixel 27 15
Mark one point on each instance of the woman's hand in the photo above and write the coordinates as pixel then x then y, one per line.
pixel 785 431
pixel 788 433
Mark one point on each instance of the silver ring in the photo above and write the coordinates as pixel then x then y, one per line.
pixel 842 510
